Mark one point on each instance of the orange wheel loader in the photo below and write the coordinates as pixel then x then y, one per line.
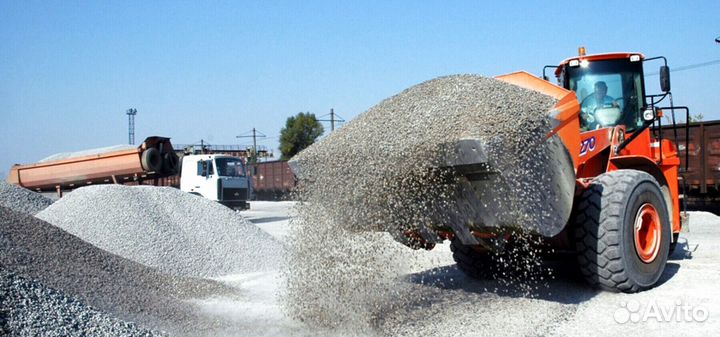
pixel 612 183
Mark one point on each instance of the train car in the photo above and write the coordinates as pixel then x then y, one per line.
pixel 702 154
pixel 272 180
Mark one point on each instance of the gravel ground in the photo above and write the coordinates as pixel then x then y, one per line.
pixel 101 150
pixel 21 199
pixel 36 250
pixel 430 298
pixel 165 228
pixel 28 308
pixel 447 303
pixel 379 173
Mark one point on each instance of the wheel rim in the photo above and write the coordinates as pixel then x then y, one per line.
pixel 647 233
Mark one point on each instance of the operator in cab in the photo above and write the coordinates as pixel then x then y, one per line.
pixel 598 99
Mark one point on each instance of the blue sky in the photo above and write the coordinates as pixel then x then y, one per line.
pixel 213 70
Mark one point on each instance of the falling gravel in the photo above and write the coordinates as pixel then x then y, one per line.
pixel 28 308
pixel 36 250
pixel 21 199
pixel 165 228
pixel 386 171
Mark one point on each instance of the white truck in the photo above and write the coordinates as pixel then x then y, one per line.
pixel 218 177
pixel 221 178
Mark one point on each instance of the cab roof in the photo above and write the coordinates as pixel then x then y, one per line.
pixel 598 57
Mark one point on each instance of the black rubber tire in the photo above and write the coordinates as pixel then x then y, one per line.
pixel 170 163
pixel 478 265
pixel 180 165
pixel 673 245
pixel 604 233
pixel 151 160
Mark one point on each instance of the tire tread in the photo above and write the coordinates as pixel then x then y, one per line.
pixel 598 212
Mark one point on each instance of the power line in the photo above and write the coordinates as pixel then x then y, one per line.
pixel 255 135
pixel 698 65
pixel 690 66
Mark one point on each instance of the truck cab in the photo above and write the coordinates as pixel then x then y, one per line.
pixel 216 177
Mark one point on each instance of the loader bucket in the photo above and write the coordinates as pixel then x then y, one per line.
pixel 532 190
pixel 497 179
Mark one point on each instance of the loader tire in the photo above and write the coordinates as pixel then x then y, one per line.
pixel 612 254
pixel 673 245
pixel 478 265
pixel 151 160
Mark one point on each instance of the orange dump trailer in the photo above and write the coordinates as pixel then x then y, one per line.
pixel 153 159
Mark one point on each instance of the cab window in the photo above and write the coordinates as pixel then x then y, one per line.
pixel 610 93
pixel 230 167
pixel 205 168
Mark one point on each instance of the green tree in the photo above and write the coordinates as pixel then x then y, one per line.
pixel 697 117
pixel 300 131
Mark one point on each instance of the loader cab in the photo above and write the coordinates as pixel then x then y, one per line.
pixel 609 87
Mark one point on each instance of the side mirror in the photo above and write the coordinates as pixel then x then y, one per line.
pixel 204 171
pixel 665 78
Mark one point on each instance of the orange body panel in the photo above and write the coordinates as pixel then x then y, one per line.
pixel 117 166
pixel 566 112
pixel 46 176
pixel 643 154
pixel 593 151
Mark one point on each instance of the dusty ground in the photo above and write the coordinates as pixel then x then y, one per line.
pixel 686 301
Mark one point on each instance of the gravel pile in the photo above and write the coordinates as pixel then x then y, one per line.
pixel 21 199
pixel 88 152
pixel 28 308
pixel 36 250
pixel 383 172
pixel 165 228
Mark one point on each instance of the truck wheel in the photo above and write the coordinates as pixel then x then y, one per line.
pixel 478 265
pixel 151 160
pixel 170 163
pixel 622 231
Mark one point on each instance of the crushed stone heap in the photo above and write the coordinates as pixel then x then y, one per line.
pixel 165 228
pixel 36 250
pixel 29 308
pixel 21 199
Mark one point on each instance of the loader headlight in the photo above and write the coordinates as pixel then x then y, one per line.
pixel 649 115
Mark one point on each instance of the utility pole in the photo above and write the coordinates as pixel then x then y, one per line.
pixel 333 118
pixel 255 135
pixel 131 125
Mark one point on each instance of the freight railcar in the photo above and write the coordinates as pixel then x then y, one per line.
pixel 272 180
pixel 702 177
